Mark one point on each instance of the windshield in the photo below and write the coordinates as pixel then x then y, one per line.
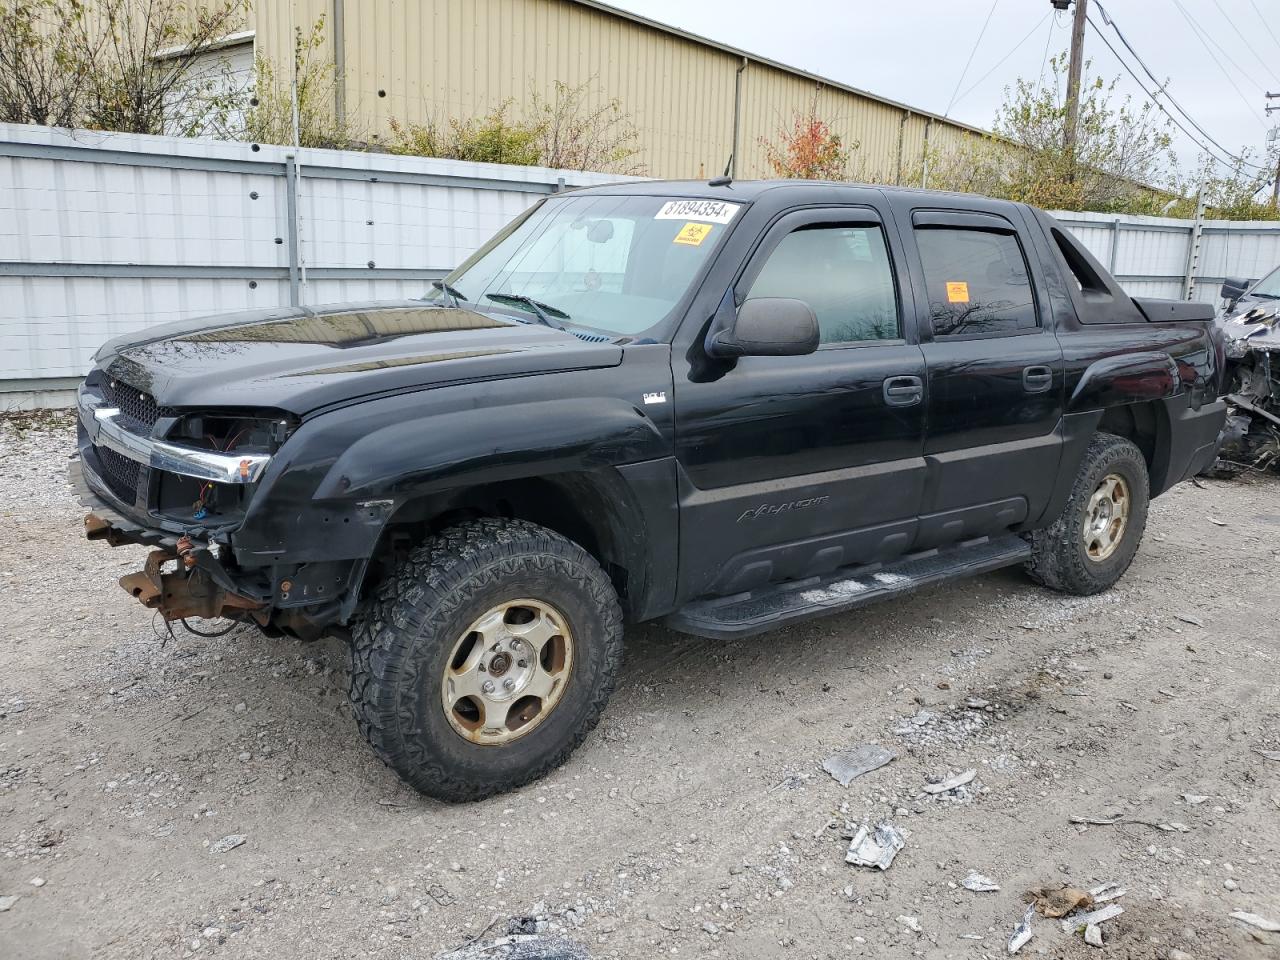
pixel 609 263
pixel 1268 286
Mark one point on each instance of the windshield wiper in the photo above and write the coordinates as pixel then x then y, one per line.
pixel 454 295
pixel 543 311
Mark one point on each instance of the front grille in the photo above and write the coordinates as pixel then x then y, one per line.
pixel 134 404
pixel 120 472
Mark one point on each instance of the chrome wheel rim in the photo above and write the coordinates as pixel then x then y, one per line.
pixel 507 672
pixel 1106 517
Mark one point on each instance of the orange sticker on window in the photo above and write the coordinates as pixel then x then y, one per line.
pixel 693 234
pixel 957 291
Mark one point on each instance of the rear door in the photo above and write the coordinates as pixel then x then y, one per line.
pixel 995 373
pixel 794 466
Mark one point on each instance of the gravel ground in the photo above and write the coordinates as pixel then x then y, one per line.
pixel 195 796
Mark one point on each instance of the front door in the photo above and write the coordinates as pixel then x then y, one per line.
pixel 794 466
pixel 995 375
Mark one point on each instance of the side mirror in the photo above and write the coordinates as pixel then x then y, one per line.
pixel 767 327
pixel 1233 288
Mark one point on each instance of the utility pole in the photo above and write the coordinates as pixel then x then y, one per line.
pixel 1074 71
pixel 1272 136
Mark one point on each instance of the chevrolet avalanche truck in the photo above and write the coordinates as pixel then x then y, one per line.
pixel 726 405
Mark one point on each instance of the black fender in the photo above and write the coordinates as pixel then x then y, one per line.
pixel 343 476
pixel 1124 379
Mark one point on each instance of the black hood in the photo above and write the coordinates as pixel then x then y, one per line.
pixel 302 358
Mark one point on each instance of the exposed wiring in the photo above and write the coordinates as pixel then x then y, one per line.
pixel 209 634
pixel 977 43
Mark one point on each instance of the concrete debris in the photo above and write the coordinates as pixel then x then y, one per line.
pixel 868 849
pixel 1253 920
pixel 1194 799
pixel 1269 754
pixel 1022 932
pixel 847 765
pixel 6 903
pixel 38 881
pixel 1106 892
pixel 911 923
pixel 1059 902
pixel 951 783
pixel 1093 935
pixel 518 947
pixel 1101 915
pixel 979 883
pixel 229 842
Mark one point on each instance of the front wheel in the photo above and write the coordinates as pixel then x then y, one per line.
pixel 1091 544
pixel 485 658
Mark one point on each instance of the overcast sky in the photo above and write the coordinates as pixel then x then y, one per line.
pixel 914 51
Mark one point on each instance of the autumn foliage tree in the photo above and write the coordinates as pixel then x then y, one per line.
pixel 808 149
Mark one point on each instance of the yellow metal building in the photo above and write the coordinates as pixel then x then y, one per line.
pixel 695 102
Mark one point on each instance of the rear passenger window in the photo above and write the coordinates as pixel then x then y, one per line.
pixel 977 281
pixel 843 274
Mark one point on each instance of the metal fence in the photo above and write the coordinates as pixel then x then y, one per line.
pixel 1182 259
pixel 102 234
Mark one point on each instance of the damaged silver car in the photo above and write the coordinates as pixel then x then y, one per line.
pixel 1251 325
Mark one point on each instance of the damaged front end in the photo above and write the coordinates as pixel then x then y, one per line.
pixel 1251 437
pixel 198 586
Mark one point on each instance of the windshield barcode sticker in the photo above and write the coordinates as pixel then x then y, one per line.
pixel 708 211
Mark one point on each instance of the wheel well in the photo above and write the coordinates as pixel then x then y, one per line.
pixel 570 504
pixel 1146 425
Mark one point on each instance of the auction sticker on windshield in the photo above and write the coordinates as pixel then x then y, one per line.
pixel 708 211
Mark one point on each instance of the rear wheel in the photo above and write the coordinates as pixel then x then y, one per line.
pixel 1093 541
pixel 486 658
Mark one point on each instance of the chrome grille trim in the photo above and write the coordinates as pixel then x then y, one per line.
pixel 107 427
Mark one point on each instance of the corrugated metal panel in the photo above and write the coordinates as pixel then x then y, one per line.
pixel 415 60
pixel 104 234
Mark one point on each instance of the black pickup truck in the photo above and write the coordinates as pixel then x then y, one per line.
pixel 730 405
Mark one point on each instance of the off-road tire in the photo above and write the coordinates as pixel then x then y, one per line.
pixel 1058 556
pixel 402 642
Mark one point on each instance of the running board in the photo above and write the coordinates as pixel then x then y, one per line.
pixel 777 605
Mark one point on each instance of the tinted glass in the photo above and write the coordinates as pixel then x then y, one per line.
pixel 977 282
pixel 611 263
pixel 843 273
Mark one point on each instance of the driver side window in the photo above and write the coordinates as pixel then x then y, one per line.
pixel 843 274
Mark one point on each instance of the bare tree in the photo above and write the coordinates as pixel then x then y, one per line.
pixel 575 134
pixel 145 60
pixel 43 73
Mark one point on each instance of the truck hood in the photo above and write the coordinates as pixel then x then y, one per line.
pixel 300 359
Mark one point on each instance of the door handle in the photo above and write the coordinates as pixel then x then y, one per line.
pixel 903 391
pixel 1037 379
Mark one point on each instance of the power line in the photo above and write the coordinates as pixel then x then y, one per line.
pixel 1160 106
pixel 1053 25
pixel 1245 40
pixel 999 63
pixel 1205 40
pixel 1163 87
pixel 1264 22
pixel 976 44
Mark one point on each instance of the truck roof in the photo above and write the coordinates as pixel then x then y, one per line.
pixel 744 191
